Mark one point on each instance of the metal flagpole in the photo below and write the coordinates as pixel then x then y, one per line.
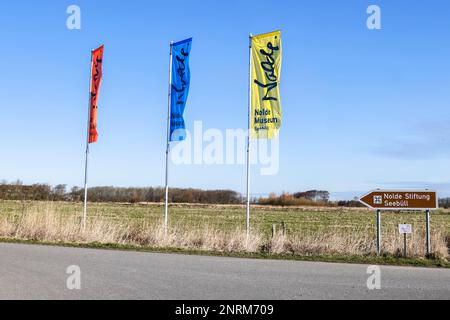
pixel 169 110
pixel 87 150
pixel 249 132
pixel 428 235
pixel 379 232
pixel 85 188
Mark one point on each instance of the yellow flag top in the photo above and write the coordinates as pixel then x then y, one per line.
pixel 266 71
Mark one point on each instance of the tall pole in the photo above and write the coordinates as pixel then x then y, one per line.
pixel 379 232
pixel 87 151
pixel 85 189
pixel 169 110
pixel 428 236
pixel 249 132
pixel 405 247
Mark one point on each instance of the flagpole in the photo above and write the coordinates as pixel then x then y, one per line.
pixel 169 110
pixel 87 150
pixel 85 188
pixel 249 133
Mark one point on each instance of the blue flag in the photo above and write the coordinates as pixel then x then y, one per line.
pixel 181 80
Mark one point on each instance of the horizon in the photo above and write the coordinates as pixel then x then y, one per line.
pixel 334 196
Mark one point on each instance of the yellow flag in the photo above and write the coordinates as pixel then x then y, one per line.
pixel 266 71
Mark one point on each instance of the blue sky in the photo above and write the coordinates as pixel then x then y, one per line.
pixel 362 109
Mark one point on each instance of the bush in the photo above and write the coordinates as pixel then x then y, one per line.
pixel 287 200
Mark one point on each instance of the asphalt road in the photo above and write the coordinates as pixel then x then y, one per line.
pixel 39 272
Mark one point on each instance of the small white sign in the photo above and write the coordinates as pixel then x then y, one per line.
pixel 405 228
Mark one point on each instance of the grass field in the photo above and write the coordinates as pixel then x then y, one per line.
pixel 209 227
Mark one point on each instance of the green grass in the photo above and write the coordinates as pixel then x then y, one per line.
pixel 298 221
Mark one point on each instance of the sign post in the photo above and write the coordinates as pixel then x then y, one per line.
pixel 402 200
pixel 428 236
pixel 405 229
pixel 405 247
pixel 379 232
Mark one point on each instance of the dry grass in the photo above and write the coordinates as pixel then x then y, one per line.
pixel 42 222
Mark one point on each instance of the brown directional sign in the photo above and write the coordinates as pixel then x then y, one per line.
pixel 401 200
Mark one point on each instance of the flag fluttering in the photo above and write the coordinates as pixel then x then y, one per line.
pixel 180 83
pixel 266 116
pixel 96 80
pixel 92 134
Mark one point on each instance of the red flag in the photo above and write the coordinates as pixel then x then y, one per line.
pixel 96 80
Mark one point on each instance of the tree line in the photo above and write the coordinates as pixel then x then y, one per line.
pixel 444 203
pixel 45 192
pixel 308 198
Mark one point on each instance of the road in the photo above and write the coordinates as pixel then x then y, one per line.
pixel 39 272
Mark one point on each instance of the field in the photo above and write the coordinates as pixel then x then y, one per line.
pixel 309 231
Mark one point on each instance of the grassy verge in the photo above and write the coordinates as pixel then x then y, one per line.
pixel 310 234
pixel 386 260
